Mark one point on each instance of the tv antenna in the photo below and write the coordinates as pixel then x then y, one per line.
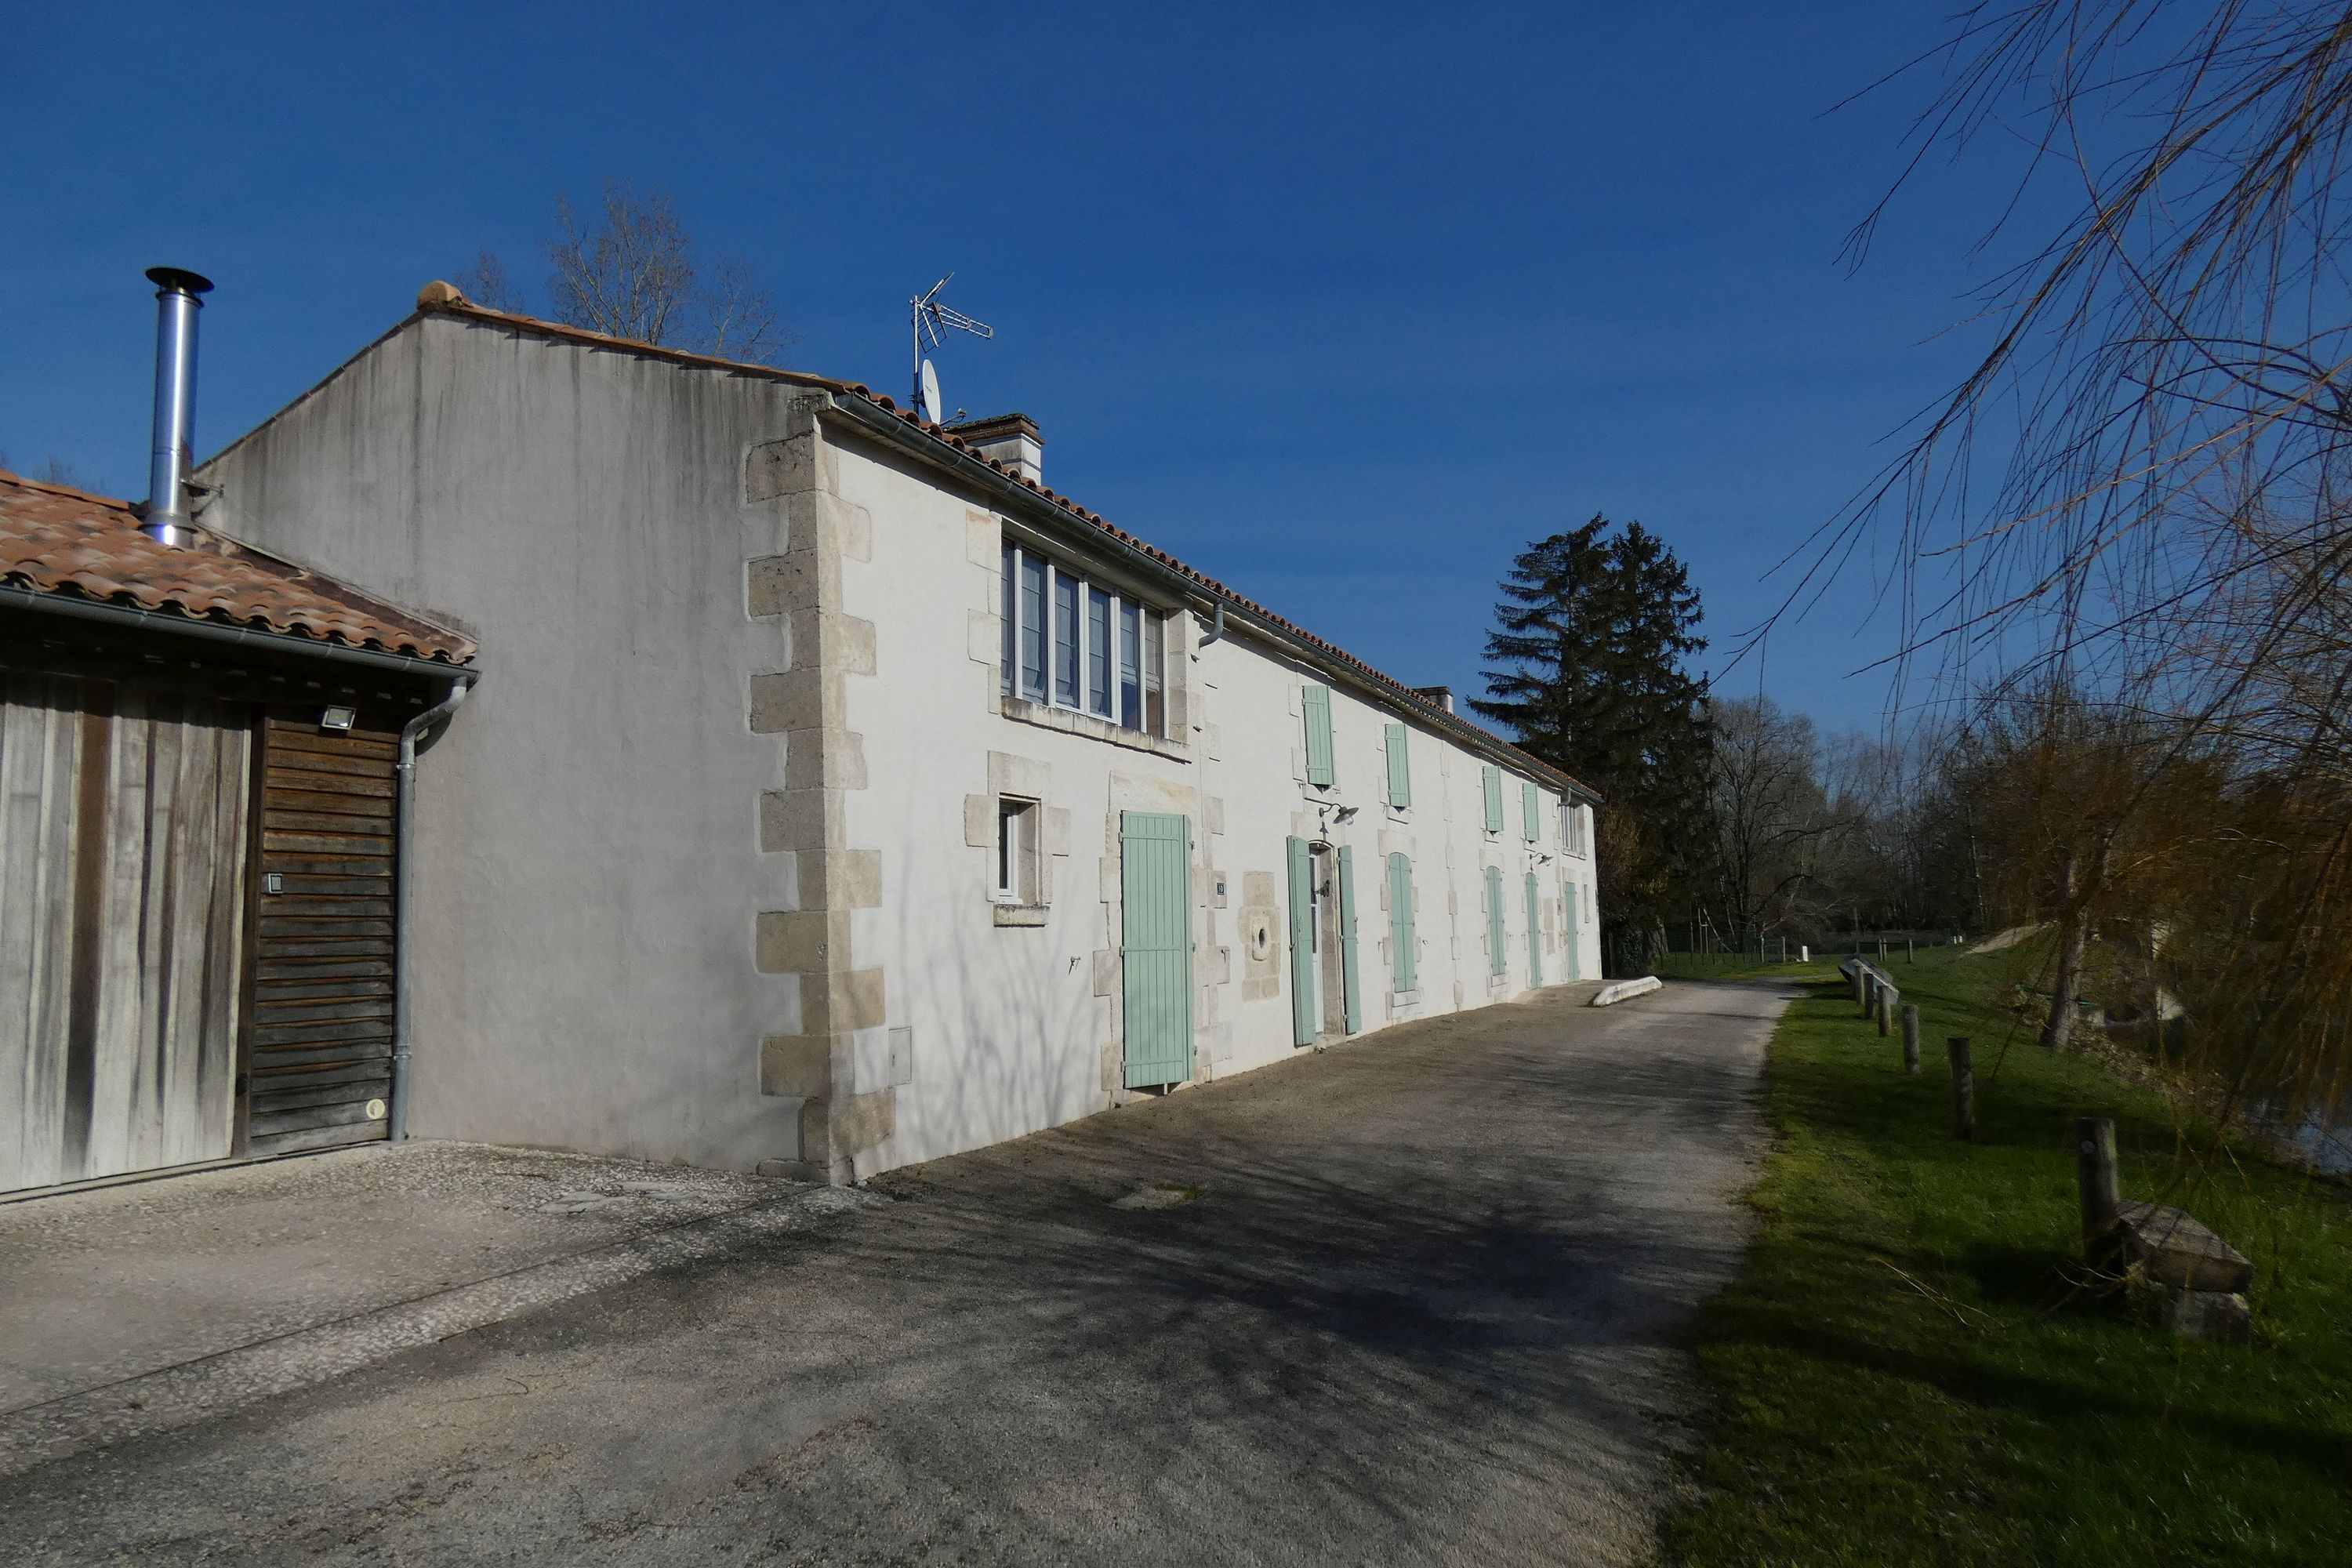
pixel 930 320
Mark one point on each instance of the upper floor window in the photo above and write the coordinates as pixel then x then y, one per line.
pixel 1075 644
pixel 1571 826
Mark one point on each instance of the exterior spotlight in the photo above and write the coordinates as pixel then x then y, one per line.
pixel 339 718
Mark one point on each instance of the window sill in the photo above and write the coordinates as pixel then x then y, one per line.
pixel 1022 710
pixel 1019 914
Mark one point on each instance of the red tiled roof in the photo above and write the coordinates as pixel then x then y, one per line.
pixel 434 301
pixel 58 540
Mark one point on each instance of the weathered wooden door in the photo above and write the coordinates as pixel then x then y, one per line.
pixel 1155 853
pixel 323 958
pixel 123 824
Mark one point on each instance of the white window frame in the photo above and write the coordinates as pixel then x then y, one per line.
pixel 1011 676
pixel 1571 828
pixel 1016 850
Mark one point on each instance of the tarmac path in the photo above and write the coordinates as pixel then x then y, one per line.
pixel 1417 1301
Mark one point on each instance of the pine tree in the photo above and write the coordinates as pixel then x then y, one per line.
pixel 1591 634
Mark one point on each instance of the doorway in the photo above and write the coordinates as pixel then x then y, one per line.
pixel 1155 947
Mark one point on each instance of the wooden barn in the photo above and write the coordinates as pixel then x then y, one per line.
pixel 203 752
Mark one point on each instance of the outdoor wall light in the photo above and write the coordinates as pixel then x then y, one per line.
pixel 339 718
pixel 1345 813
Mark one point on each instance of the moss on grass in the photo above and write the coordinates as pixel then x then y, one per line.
pixel 1904 1374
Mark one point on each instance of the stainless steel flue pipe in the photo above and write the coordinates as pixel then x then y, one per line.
pixel 178 297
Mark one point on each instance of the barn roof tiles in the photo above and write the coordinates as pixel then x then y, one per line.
pixel 60 541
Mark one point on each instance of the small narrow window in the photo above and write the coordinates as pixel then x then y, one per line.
pixel 1065 638
pixel 1012 616
pixel 1155 703
pixel 1016 851
pixel 1097 652
pixel 1033 627
pixel 1130 665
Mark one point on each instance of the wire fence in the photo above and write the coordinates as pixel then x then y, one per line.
pixel 1701 947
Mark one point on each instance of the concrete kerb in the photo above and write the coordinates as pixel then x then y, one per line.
pixel 208 1386
pixel 1626 990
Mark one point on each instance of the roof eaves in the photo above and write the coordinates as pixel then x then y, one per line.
pixel 923 436
pixel 907 425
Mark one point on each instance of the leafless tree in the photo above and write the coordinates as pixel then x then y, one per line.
pixel 2139 491
pixel 629 268
pixel 484 281
pixel 1771 817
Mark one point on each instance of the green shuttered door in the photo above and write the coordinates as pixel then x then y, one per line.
pixel 1155 853
pixel 1535 932
pixel 1302 944
pixel 1318 703
pixel 1347 969
pixel 1399 769
pixel 1495 959
pixel 1402 955
pixel 1568 944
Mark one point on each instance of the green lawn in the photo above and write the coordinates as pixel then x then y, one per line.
pixel 1901 1374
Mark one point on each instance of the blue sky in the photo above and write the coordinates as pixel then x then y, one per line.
pixel 1344 306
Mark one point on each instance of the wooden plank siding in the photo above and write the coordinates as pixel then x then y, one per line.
pixel 318 1045
pixel 123 837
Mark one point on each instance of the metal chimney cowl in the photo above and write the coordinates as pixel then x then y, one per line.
pixel 179 295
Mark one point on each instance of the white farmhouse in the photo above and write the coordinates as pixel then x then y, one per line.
pixel 835 796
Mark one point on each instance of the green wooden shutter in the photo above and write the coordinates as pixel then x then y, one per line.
pixel 1399 769
pixel 1535 933
pixel 1302 943
pixel 1569 939
pixel 1530 805
pixel 1493 779
pixel 1355 997
pixel 1155 853
pixel 1494 920
pixel 1318 703
pixel 1401 954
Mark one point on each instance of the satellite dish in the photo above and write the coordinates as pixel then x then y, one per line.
pixel 933 409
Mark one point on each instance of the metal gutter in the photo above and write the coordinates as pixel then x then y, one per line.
pixel 404 892
pixel 165 621
pixel 965 465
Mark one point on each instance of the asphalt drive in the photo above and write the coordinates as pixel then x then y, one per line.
pixel 1416 1301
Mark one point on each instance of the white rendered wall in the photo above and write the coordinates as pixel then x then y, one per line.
pixel 1014 1028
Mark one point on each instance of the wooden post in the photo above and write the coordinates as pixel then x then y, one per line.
pixel 1881 949
pixel 1910 1040
pixel 1860 980
pixel 1869 989
pixel 1887 994
pixel 1964 1089
pixel 2095 1172
pixel 1910 954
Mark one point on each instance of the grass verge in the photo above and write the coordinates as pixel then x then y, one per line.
pixel 1903 1375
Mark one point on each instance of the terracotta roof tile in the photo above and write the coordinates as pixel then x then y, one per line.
pixel 58 540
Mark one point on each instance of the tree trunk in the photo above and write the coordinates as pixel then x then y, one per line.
pixel 2073 928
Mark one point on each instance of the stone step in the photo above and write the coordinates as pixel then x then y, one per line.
pixel 2171 1248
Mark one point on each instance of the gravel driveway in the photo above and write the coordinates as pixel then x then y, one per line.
pixel 1413 1299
